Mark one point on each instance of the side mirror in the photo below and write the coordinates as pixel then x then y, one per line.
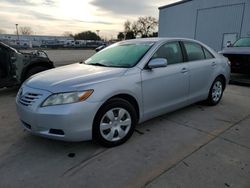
pixel 229 43
pixel 157 63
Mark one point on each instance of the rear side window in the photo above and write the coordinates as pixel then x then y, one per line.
pixel 194 51
pixel 208 54
pixel 170 51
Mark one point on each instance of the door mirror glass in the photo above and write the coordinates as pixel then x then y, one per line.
pixel 157 63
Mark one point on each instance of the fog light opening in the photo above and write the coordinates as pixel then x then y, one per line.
pixel 56 131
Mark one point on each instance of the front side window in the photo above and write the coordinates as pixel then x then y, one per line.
pixel 194 51
pixel 170 51
pixel 120 55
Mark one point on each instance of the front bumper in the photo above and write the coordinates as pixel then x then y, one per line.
pixel 71 122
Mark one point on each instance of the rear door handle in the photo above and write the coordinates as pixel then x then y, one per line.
pixel 213 64
pixel 184 70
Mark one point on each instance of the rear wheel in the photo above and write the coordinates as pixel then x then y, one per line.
pixel 216 92
pixel 35 70
pixel 114 123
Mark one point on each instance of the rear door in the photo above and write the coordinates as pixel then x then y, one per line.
pixel 166 88
pixel 201 64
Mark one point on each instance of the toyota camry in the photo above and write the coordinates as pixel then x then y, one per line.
pixel 129 82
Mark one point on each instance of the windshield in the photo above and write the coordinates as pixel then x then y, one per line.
pixel 244 42
pixel 121 55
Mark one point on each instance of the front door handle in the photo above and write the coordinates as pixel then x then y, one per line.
pixel 184 70
pixel 213 64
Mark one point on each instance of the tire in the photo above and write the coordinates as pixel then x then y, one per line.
pixel 35 70
pixel 114 123
pixel 216 92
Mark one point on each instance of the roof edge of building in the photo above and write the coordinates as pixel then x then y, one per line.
pixel 174 4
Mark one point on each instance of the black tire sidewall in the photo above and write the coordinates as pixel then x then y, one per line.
pixel 113 103
pixel 210 100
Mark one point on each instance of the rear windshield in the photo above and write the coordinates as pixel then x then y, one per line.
pixel 244 42
pixel 123 55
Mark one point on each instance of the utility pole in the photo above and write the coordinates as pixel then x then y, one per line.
pixel 17 34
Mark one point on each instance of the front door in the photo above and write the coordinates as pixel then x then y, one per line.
pixel 165 89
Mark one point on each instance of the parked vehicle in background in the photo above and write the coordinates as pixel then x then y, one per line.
pixel 99 48
pixel 15 66
pixel 124 84
pixel 239 55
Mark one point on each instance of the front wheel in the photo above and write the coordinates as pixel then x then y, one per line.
pixel 114 123
pixel 216 92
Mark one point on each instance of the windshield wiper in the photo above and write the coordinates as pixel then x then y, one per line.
pixel 98 64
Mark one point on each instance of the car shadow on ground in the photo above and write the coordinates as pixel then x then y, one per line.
pixel 35 145
pixel 240 79
pixel 11 91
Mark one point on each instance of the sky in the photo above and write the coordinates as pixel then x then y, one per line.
pixel 54 17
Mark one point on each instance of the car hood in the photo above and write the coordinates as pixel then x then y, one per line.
pixel 236 50
pixel 73 77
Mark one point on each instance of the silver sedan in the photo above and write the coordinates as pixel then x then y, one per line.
pixel 127 83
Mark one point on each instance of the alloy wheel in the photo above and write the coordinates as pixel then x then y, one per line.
pixel 115 124
pixel 217 91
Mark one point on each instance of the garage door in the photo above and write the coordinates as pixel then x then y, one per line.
pixel 212 23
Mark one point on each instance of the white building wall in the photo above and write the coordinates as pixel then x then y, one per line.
pixel 207 21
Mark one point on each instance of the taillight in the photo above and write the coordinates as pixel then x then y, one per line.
pixel 228 62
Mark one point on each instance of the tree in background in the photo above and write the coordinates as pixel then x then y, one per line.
pixel 120 36
pixel 135 29
pixel 146 26
pixel 128 30
pixel 143 27
pixel 127 26
pixel 155 34
pixel 68 34
pixel 86 35
pixel 25 30
pixel 130 35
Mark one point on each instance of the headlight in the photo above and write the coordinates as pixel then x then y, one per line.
pixel 66 98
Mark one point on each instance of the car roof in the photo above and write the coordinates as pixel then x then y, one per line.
pixel 154 40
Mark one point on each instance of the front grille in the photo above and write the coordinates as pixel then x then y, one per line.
pixel 29 98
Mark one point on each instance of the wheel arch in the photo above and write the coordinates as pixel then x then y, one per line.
pixel 224 80
pixel 45 64
pixel 129 98
pixel 125 99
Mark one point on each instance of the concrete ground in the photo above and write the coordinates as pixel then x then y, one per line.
pixel 198 146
